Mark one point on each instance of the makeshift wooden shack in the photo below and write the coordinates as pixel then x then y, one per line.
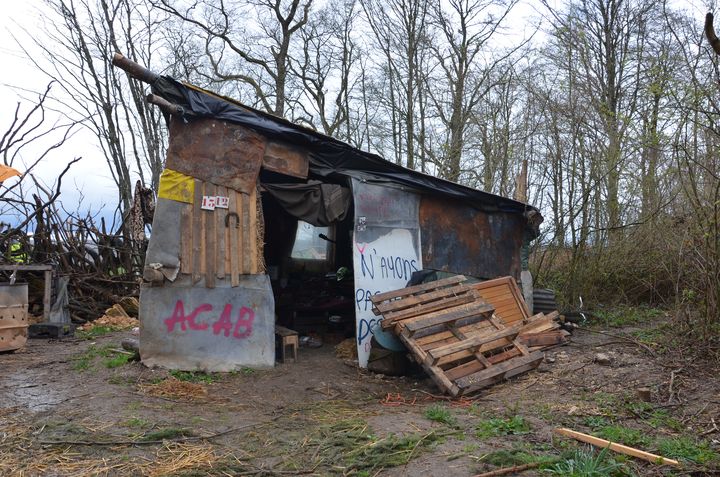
pixel 259 221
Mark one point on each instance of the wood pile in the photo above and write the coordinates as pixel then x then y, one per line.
pixel 468 336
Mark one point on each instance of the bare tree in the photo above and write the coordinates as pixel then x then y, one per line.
pixel 25 145
pixel 465 27
pixel 81 38
pixel 400 28
pixel 325 66
pixel 259 55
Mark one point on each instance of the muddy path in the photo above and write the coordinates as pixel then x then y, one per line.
pixel 78 408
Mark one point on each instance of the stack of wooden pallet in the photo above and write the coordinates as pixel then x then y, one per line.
pixel 457 335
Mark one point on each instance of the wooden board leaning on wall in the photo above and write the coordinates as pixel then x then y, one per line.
pixel 221 243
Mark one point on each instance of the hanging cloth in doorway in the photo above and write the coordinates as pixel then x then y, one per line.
pixel 316 203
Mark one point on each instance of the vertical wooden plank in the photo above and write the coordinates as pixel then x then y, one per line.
pixel 47 295
pixel 220 215
pixel 203 237
pixel 242 259
pixel 252 228
pixel 186 239
pixel 210 251
pixel 197 231
pixel 233 241
pixel 247 235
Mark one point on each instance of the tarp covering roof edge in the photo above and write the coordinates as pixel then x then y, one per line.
pixel 327 154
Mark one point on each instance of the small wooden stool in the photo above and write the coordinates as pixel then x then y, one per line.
pixel 288 338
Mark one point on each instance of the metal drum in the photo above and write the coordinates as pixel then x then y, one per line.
pixel 13 316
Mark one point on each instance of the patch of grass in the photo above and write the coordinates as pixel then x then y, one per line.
pixel 595 422
pixel 116 361
pixel 685 448
pixel 94 332
pixel 628 315
pixel 494 427
pixel 85 360
pixel 137 422
pixel 440 413
pixel 508 458
pixel 661 418
pixel 194 376
pixel 586 463
pixel 121 380
pixel 167 434
pixel 623 435
pixel 355 450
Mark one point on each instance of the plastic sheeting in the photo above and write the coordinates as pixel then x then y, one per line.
pixel 328 156
pixel 315 203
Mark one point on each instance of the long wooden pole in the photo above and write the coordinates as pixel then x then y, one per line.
pixel 596 441
pixel 135 70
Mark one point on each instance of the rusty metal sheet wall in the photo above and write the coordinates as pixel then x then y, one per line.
pixel 461 239
pixel 216 151
pixel 284 159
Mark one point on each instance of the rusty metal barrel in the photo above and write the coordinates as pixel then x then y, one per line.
pixel 13 316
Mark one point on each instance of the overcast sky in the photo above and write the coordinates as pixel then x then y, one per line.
pixel 20 82
pixel 89 185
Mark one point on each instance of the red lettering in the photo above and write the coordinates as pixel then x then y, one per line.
pixel 178 316
pixel 244 323
pixel 224 323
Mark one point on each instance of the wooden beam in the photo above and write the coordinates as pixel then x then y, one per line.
pixel 380 297
pixel 481 309
pixel 469 343
pixel 47 295
pixel 25 268
pixel 596 441
pixel 420 299
pixel 393 317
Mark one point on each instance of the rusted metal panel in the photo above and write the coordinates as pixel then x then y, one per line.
pixel 286 160
pixel 13 316
pixel 461 239
pixel 216 151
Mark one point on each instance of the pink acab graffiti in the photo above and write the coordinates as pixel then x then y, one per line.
pixel 241 329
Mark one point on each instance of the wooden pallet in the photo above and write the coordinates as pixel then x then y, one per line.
pixel 455 334
pixel 504 294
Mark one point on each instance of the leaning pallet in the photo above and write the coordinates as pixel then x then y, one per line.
pixel 455 335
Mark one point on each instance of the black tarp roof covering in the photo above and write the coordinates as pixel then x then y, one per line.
pixel 328 155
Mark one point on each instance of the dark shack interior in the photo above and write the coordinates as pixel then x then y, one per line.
pixel 310 266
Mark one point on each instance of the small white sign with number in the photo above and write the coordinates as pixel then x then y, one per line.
pixel 222 202
pixel 208 202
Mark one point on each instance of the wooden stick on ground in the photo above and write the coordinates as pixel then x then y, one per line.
pixel 596 441
pixel 514 470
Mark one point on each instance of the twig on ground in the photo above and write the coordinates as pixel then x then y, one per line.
pixel 510 470
pixel 714 428
pixel 155 442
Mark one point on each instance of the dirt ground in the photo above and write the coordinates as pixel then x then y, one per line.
pixel 76 407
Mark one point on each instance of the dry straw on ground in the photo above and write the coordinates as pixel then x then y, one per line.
pixel 174 388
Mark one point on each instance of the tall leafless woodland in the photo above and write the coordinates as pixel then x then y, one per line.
pixel 612 103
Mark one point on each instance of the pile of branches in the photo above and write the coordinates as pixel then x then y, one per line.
pixel 103 265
